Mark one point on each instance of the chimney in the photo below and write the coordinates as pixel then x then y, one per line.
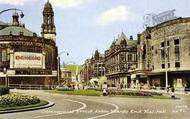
pixel 15 19
pixel 131 38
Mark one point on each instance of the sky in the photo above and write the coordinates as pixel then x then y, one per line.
pixel 84 26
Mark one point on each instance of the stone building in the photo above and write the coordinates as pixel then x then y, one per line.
pixel 93 68
pixel 25 57
pixel 66 77
pixel 98 66
pixel 86 72
pixel 120 58
pixel 164 53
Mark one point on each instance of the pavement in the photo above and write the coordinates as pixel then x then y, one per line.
pixel 92 107
pixel 162 91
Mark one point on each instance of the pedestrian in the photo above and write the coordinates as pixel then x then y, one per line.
pixel 173 94
pixel 104 92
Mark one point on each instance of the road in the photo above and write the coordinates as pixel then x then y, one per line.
pixel 87 107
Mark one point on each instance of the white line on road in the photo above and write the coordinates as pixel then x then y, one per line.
pixel 103 115
pixel 66 112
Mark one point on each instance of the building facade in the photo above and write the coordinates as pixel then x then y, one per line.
pixel 25 57
pixel 98 66
pixel 120 58
pixel 93 68
pixel 86 72
pixel 164 53
pixel 66 77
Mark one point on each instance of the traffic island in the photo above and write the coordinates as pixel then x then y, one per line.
pixel 137 94
pixel 19 102
pixel 78 92
pixel 113 93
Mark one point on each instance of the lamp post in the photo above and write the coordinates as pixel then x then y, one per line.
pixel 166 57
pixel 166 64
pixel 6 79
pixel 13 9
pixel 58 65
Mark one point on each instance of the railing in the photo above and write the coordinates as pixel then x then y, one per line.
pixel 32 87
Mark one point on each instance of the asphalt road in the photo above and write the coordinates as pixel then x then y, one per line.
pixel 85 107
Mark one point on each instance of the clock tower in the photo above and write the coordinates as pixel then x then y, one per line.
pixel 48 26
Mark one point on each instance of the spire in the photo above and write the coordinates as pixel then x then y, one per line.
pixel 96 55
pixel 48 26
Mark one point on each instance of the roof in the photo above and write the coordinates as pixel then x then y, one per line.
pixel 48 7
pixel 73 68
pixel 122 38
pixel 48 4
pixel 2 23
pixel 16 30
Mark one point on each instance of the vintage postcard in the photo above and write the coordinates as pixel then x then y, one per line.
pixel 94 59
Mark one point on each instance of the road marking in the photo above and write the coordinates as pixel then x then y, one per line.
pixel 103 115
pixel 66 112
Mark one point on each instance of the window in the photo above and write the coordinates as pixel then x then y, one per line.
pixel 168 43
pixel 162 55
pixel 176 42
pixel 177 54
pixel 135 57
pixel 162 44
pixel 152 47
pixel 4 55
pixel 168 65
pixel 177 64
pixel 130 57
pixel 0 55
pixel 163 66
pixel 168 54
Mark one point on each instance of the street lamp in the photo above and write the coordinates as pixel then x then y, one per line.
pixel 6 79
pixel 14 9
pixel 58 65
pixel 166 57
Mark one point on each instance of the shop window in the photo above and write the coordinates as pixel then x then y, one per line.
pixel 4 55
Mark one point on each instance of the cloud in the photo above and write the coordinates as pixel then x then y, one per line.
pixel 15 2
pixel 116 14
pixel 68 3
pixel 58 3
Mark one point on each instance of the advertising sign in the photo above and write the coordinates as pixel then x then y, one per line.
pixel 154 19
pixel 27 60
